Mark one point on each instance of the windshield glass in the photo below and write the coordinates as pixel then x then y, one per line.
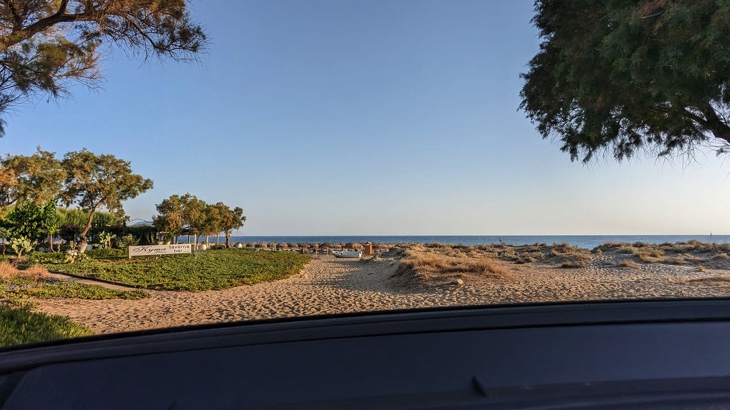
pixel 181 162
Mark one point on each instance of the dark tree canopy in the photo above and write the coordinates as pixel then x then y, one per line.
pixel 624 75
pixel 46 44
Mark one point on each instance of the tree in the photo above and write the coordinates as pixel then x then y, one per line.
pixel 50 220
pixel 38 178
pixel 624 75
pixel 179 215
pixel 47 44
pixel 99 181
pixel 170 219
pixel 230 219
pixel 213 224
pixel 194 216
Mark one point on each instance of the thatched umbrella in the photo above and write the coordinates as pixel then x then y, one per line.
pixel 264 245
pixel 282 246
pixel 349 245
pixel 292 245
pixel 337 246
pixel 357 246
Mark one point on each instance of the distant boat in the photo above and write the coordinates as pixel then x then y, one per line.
pixel 347 254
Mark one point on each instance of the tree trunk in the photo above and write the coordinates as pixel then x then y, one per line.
pixel 716 125
pixel 228 239
pixel 84 234
pixel 50 242
pixel 217 239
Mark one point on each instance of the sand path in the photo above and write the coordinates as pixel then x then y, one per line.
pixel 329 285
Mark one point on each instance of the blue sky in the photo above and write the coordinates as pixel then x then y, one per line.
pixel 365 117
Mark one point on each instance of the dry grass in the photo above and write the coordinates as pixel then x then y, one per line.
pixel 35 272
pixel 439 266
pixel 693 253
pixel 443 262
pixel 628 263
pixel 573 264
pixel 7 271
pixel 712 280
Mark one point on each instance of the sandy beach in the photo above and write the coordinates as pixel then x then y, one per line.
pixel 329 285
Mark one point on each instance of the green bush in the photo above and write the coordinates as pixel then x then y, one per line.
pixel 20 325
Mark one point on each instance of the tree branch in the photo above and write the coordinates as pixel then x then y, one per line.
pixel 20 35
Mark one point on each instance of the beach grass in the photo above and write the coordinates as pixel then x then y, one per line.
pixel 21 325
pixel 439 265
pixel 209 270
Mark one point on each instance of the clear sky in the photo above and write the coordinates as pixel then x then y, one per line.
pixel 365 117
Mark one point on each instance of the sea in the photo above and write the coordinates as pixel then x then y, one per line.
pixel 583 241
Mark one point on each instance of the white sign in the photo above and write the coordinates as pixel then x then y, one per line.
pixel 147 250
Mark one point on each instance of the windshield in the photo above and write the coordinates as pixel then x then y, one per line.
pixel 179 163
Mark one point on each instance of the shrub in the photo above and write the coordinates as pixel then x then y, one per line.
pixel 107 253
pixel 127 240
pixel 52 257
pixel 21 245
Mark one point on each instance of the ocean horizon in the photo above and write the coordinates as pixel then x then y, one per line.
pixel 583 241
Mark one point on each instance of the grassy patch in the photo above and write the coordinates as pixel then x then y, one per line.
pixel 209 270
pixel 35 282
pixel 20 325
pixel 52 289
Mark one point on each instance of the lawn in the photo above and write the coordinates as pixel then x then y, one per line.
pixel 20 325
pixel 48 288
pixel 213 269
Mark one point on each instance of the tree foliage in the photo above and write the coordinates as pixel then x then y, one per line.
pixel 25 221
pixel 99 181
pixel 230 219
pixel 624 75
pixel 36 177
pixel 46 44
pixel 178 215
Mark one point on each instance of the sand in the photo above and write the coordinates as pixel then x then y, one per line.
pixel 328 285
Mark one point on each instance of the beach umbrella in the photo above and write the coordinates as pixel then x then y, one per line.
pixel 282 246
pixel 325 245
pixel 292 245
pixel 357 246
pixel 349 245
pixel 315 246
pixel 337 246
